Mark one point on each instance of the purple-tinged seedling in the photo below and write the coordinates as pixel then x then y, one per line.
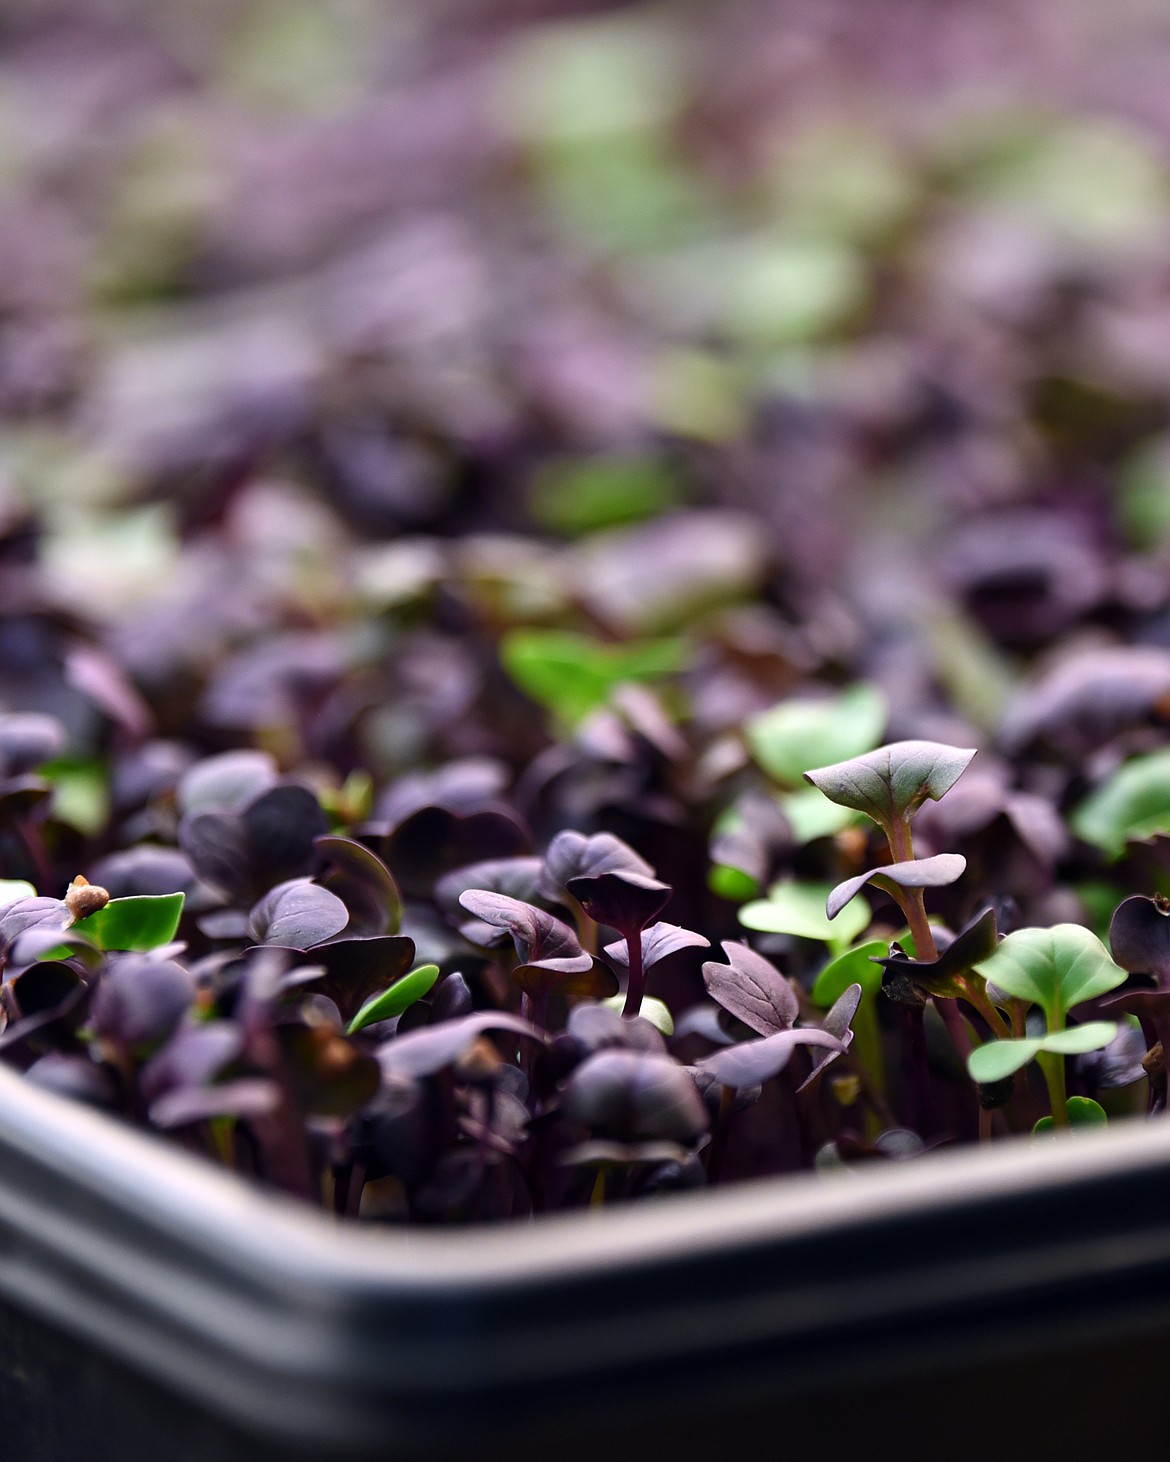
pixel 889 785
pixel 657 943
pixel 626 902
pixel 353 972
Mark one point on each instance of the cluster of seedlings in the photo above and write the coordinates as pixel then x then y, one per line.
pixel 485 1047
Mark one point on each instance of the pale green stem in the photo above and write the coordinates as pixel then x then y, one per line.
pixel 1052 1066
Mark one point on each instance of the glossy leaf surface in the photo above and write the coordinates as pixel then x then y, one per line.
pixel 145 922
pixel 393 1001
pixel 1139 937
pixel 299 914
pixel 1054 968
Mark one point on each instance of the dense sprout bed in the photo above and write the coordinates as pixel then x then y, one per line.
pixel 458 475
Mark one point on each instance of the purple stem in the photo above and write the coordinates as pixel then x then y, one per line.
pixel 636 985
pixel 915 1072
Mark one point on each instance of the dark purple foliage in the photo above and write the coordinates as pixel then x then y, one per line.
pixel 633 1096
pixel 411 465
pixel 297 914
pixel 752 989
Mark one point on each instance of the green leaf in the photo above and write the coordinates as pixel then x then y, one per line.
pixel 799 909
pixel 1132 804
pixel 12 889
pixel 854 967
pixel 1143 495
pixel 1054 968
pixel 732 884
pixel 890 783
pixel 782 291
pixel 142 923
pixel 1099 900
pixel 810 815
pixel 80 794
pixel 581 495
pixel 1082 1112
pixel 574 675
pixel 652 1010
pixel 799 734
pixel 999 1059
pixel 1094 1035
pixel 397 998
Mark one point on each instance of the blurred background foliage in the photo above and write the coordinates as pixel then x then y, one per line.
pixel 330 328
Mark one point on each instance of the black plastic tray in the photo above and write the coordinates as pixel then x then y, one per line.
pixel 154 1307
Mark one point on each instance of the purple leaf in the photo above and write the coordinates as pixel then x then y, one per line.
pixel 753 1062
pixel 217 845
pixel 623 901
pixel 363 883
pixel 837 1022
pixel 246 1096
pixel 934 872
pixel 623 1154
pixel 75 1076
pixel 225 783
pixel 423 1052
pixel 597 1027
pixel 466 785
pixel 1139 936
pixel 298 914
pixel 280 826
pixel 145 869
pixel 27 739
pixel 659 941
pixel 575 855
pixel 634 1096
pixel 435 840
pixel 752 989
pixel 598 982
pixel 889 783
pixel 44 986
pixel 31 913
pixel 194 1056
pixel 139 1002
pixel 937 976
pixel 1088 698
pixel 356 969
pixel 537 935
pixel 518 878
